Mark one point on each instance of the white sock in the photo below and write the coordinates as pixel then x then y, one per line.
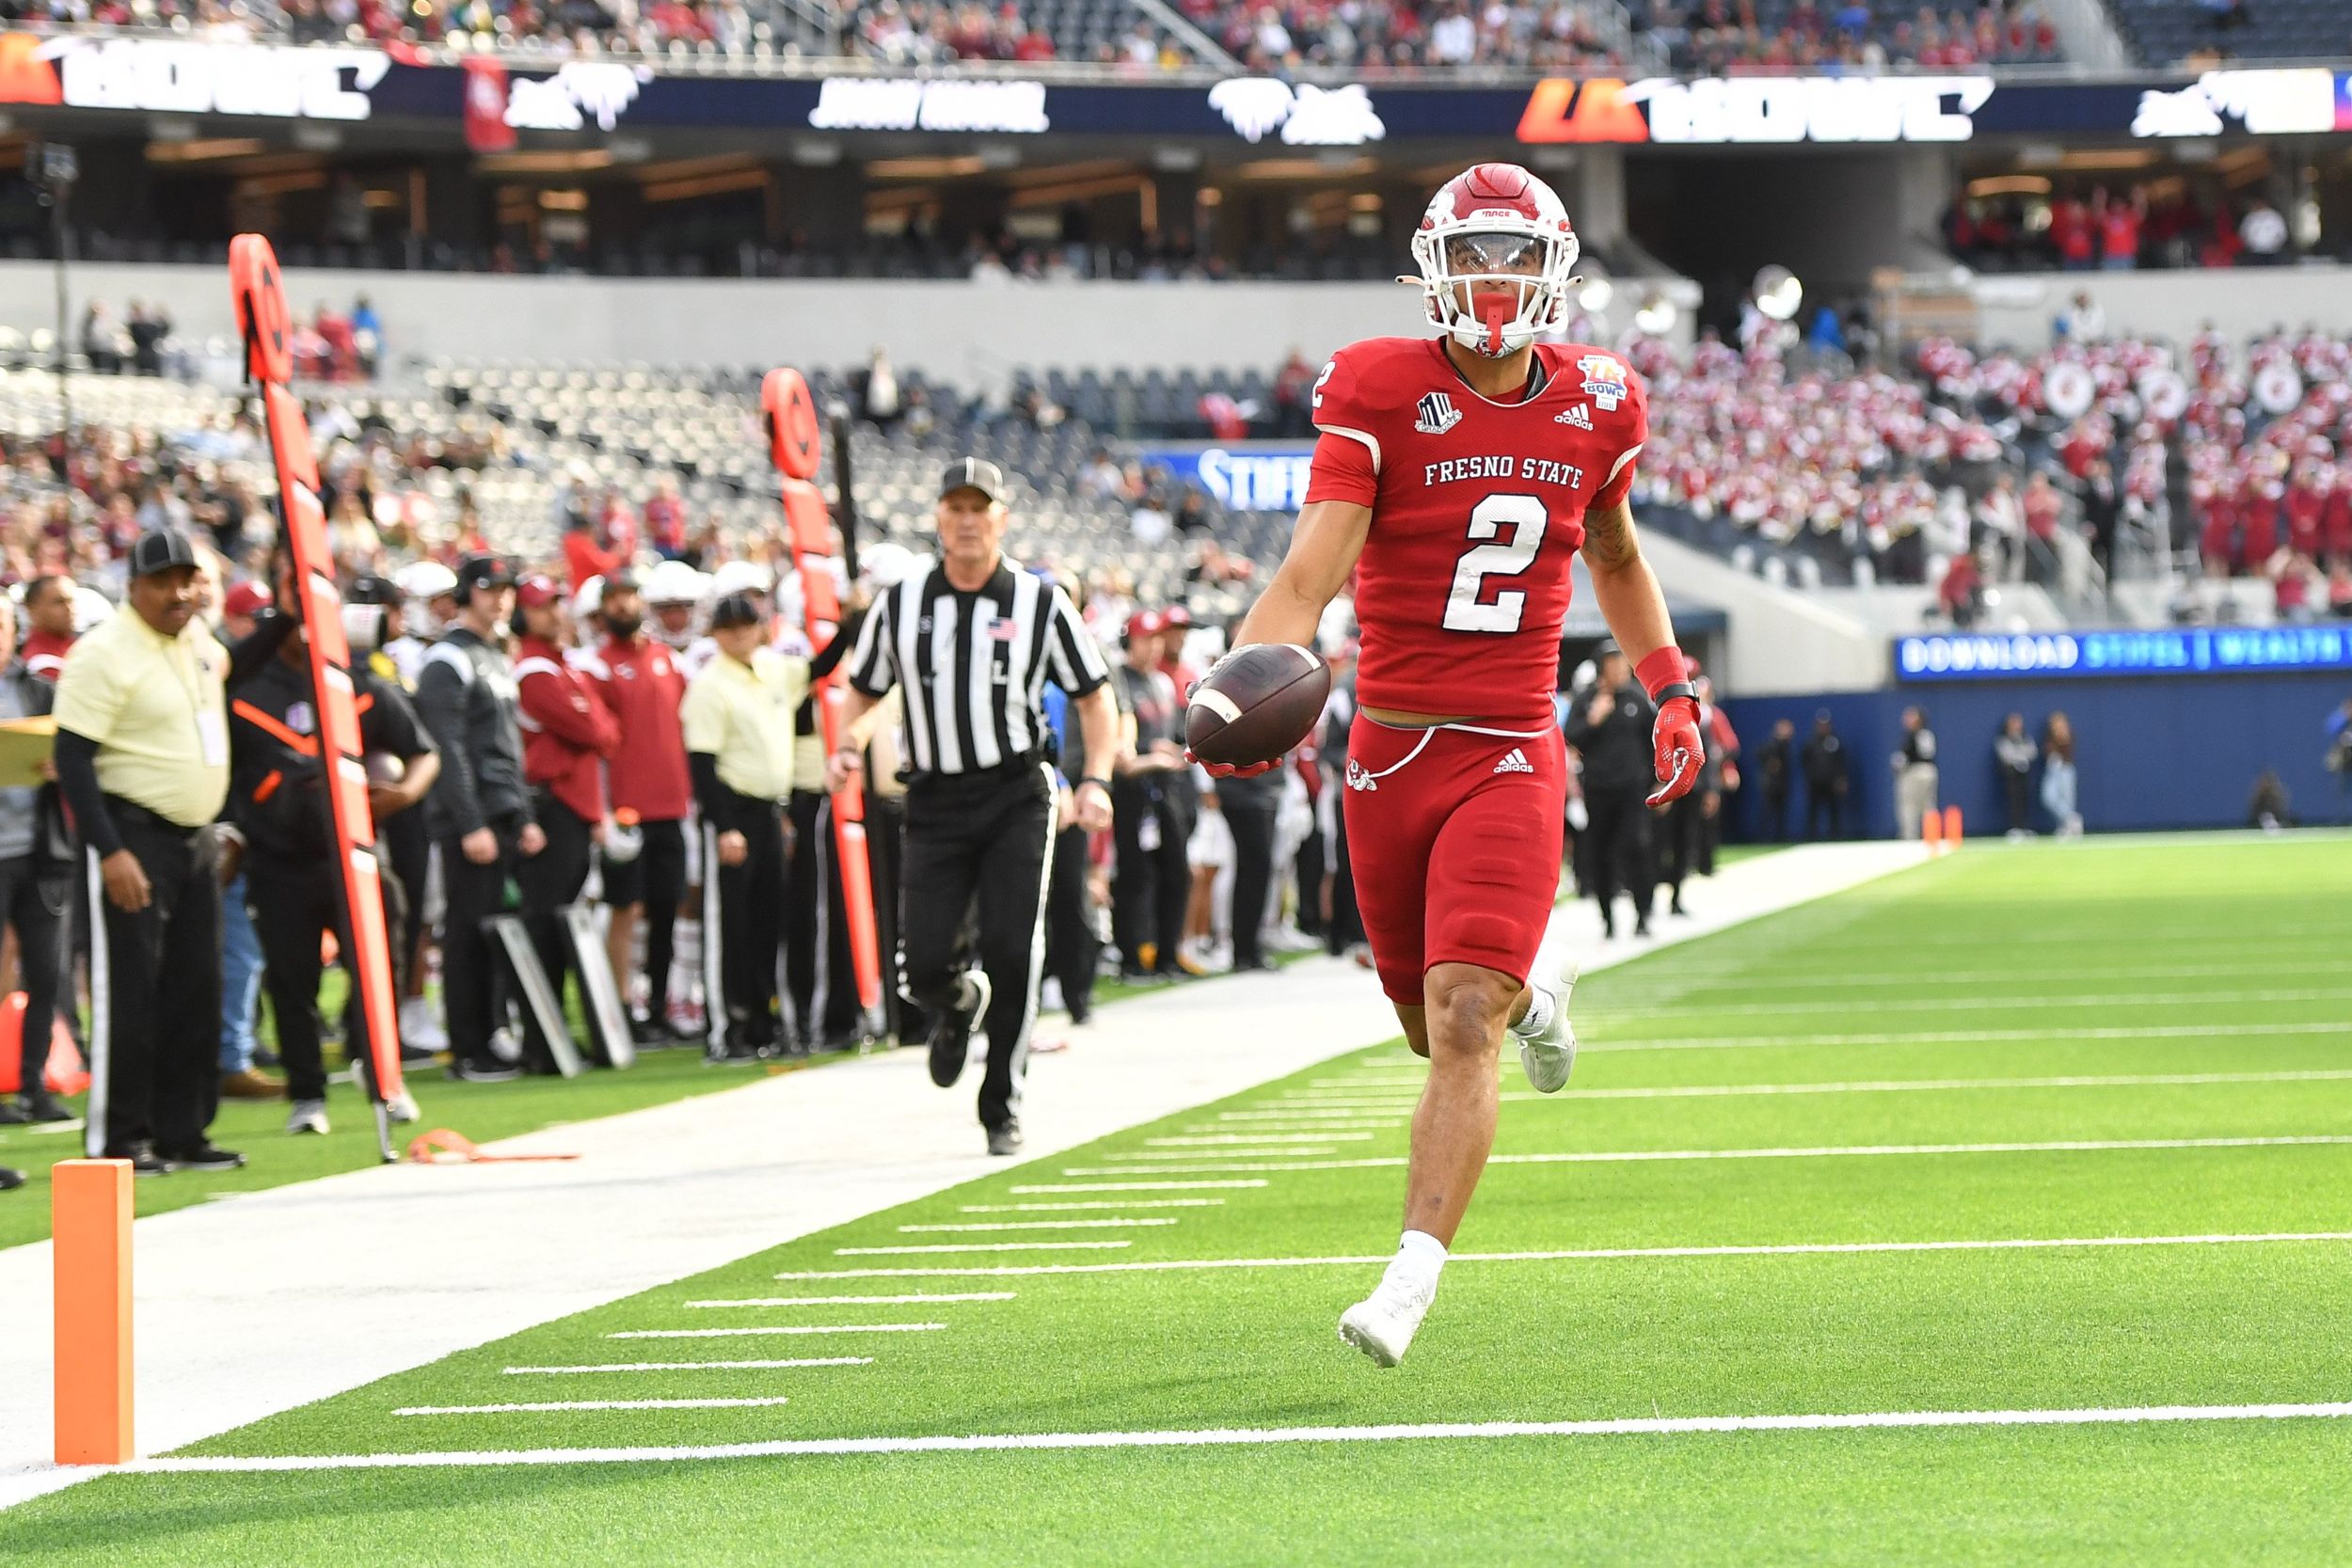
pixel 967 991
pixel 1419 1257
pixel 1540 1007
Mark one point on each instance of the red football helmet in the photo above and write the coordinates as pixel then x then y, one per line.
pixel 1495 251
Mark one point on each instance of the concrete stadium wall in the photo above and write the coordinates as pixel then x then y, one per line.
pixel 2155 753
pixel 1777 638
pixel 972 333
pixel 2018 307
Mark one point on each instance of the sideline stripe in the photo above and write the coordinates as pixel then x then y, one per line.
pixel 2216 1034
pixel 1894 1085
pixel 695 1366
pixel 1234 1436
pixel 773 1328
pixel 1039 1225
pixel 982 1246
pixel 1093 1204
pixel 1790 1249
pixel 1628 1156
pixel 1128 1186
pixel 857 1301
pixel 586 1404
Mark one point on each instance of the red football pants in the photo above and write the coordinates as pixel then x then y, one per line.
pixel 1454 833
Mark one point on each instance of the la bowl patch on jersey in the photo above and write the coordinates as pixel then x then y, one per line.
pixel 1604 380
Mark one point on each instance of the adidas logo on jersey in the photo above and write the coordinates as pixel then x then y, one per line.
pixel 1438 415
pixel 1515 761
pixel 1359 777
pixel 1580 417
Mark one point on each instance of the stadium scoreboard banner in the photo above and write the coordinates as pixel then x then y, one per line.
pixel 2172 651
pixel 1253 478
pixel 148 76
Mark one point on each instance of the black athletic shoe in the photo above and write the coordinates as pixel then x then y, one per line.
pixel 484 1072
pixel 40 1105
pixel 1005 1139
pixel 142 1158
pixel 1640 926
pixel 10 1178
pixel 201 1156
pixel 12 1115
pixel 649 1033
pixel 951 1036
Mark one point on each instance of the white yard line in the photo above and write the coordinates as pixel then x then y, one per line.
pixel 1987 1004
pixel 2216 1033
pixel 1257 1138
pixel 1578 1254
pixel 1900 1086
pixel 1298 1113
pixel 588 1405
pixel 1127 1186
pixel 1272 1150
pixel 691 1366
pixel 1314 1130
pixel 982 1246
pixel 1646 1426
pixel 773 1329
pixel 1631 1156
pixel 2063 975
pixel 1036 1224
pixel 913 1299
pixel 1089 1204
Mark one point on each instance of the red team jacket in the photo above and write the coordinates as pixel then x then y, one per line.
pixel 567 732
pixel 1477 509
pixel 44 655
pixel 641 683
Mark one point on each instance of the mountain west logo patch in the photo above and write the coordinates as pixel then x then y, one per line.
pixel 1438 415
pixel 1604 380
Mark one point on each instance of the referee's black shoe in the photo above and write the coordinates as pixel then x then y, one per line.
pixel 951 1036
pixel 1005 1139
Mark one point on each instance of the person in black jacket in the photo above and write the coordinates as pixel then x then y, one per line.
pixel 1775 764
pixel 35 882
pixel 481 816
pixel 1609 724
pixel 1823 760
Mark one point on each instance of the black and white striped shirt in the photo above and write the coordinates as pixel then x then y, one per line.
pixel 974 665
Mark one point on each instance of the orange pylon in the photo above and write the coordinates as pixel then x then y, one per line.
pixel 90 1218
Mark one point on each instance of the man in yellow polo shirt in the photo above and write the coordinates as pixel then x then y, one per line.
pixel 739 744
pixel 142 759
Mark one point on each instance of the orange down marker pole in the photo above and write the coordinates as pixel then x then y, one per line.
pixel 1931 830
pixel 794 442
pixel 90 1207
pixel 1951 827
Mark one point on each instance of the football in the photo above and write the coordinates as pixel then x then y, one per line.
pixel 1258 702
pixel 385 768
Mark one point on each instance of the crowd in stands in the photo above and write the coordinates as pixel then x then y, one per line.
pixel 1750 37
pixel 2118 230
pixel 1371 35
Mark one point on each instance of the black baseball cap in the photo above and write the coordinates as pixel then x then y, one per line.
pixel 735 610
pixel 485 571
pixel 162 549
pixel 371 590
pixel 973 473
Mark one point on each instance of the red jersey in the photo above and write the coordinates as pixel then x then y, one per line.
pixel 641 684
pixel 1477 510
pixel 567 732
pixel 44 653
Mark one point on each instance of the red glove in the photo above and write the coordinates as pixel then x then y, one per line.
pixel 1680 752
pixel 1234 770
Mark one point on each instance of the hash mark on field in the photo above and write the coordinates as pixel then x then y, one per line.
pixel 1037 1224
pixel 586 1404
pixel 1997 1004
pixel 1891 1085
pixel 695 1366
pixel 1271 1148
pixel 773 1328
pixel 1258 1138
pixel 1337 1113
pixel 1582 1255
pixel 1629 1156
pixel 857 1301
pixel 1965 976
pixel 1128 1186
pixel 1221 1437
pixel 982 1246
pixel 1975 1037
pixel 1093 1204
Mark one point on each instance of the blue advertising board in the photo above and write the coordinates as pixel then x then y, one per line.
pixel 1246 478
pixel 2170 651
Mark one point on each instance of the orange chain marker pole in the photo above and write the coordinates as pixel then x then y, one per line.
pixel 89 1209
pixel 1951 827
pixel 262 319
pixel 794 442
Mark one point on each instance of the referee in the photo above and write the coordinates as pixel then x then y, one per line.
pixel 972 642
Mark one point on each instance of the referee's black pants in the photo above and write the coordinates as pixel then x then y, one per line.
pixel 293 902
pixel 984 837
pixel 472 896
pixel 155 990
pixel 550 882
pixel 34 893
pixel 749 908
pixel 817 942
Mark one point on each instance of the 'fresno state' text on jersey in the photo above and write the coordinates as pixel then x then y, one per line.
pixel 1477 508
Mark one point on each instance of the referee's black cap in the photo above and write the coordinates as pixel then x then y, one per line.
pixel 162 549
pixel 973 473
pixel 735 610
pixel 371 590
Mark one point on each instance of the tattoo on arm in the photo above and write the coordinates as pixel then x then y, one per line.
pixel 1609 542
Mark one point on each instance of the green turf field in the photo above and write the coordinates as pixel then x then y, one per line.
pixel 2137 1049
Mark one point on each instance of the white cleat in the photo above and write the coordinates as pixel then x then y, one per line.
pixel 309 1115
pixel 419 1028
pixel 1548 1053
pixel 402 1107
pixel 1383 1323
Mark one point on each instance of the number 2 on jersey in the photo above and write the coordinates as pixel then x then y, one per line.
pixel 1524 516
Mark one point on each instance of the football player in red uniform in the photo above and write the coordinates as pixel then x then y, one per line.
pixel 1453 479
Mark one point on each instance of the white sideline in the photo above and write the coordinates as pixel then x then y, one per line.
pixel 1644 1426
pixel 412 1263
pixel 1633 1156
pixel 1579 1255
pixel 691 1366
